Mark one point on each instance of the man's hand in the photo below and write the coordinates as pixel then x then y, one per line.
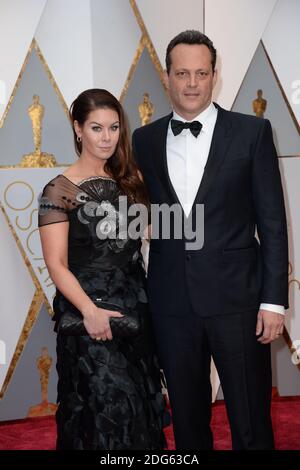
pixel 269 323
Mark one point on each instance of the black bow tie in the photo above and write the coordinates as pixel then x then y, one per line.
pixel 178 126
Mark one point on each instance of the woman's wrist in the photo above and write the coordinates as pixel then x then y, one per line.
pixel 87 308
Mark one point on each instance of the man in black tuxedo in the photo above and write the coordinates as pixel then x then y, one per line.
pixel 225 300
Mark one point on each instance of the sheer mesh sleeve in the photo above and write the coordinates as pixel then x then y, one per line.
pixel 52 205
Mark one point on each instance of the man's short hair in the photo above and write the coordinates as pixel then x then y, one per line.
pixel 190 37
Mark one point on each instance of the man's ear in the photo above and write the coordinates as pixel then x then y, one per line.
pixel 166 79
pixel 215 77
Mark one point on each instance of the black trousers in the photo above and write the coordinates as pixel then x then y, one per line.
pixel 185 346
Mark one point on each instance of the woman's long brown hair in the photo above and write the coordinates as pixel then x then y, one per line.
pixel 121 165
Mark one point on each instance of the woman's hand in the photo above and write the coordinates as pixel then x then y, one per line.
pixel 96 322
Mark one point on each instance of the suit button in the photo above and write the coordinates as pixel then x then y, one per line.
pixel 188 257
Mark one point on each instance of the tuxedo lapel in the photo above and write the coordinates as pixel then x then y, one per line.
pixel 218 149
pixel 160 155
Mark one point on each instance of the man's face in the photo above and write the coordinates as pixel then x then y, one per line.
pixel 191 79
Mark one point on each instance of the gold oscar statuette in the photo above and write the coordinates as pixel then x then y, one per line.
pixel 259 105
pixel 146 110
pixel 43 363
pixel 37 159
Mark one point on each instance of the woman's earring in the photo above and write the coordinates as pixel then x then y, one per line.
pixel 78 139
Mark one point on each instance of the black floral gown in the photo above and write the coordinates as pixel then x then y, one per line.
pixel 109 392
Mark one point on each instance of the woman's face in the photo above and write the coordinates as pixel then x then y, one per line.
pixel 99 133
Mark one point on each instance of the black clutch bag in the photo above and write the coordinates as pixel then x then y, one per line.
pixel 71 324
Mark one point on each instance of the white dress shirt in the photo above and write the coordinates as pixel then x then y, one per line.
pixel 186 159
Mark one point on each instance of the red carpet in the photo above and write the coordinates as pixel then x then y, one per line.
pixel 39 433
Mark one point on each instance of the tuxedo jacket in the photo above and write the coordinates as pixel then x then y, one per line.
pixel 244 259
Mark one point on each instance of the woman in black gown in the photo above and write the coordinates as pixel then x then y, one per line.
pixel 109 391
